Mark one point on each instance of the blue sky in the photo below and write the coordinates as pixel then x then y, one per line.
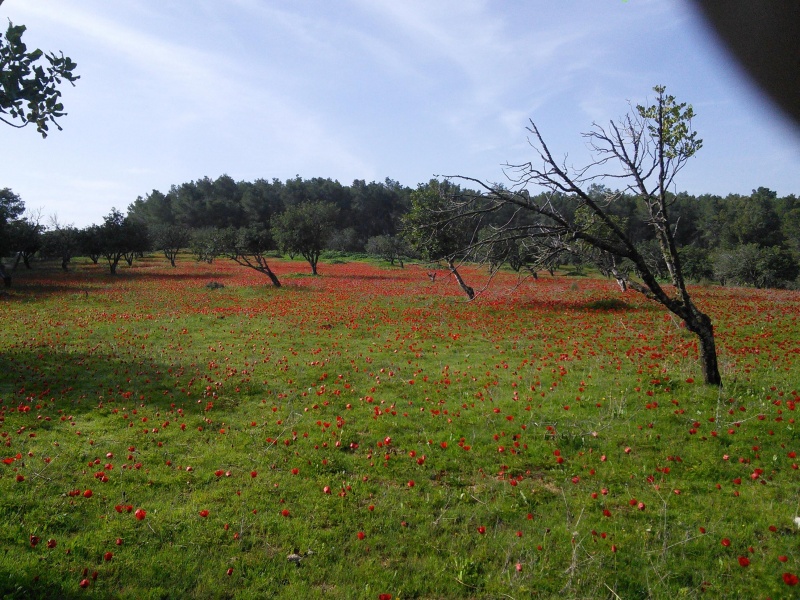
pixel 175 90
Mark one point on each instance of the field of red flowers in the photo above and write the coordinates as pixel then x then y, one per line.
pixel 369 433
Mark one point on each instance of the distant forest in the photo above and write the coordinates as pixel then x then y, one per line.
pixel 733 240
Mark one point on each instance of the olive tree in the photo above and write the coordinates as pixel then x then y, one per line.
pixel 248 247
pixel 305 229
pixel 60 241
pixel 439 228
pixel 170 239
pixel 388 247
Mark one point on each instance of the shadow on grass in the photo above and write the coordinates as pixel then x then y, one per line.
pixel 47 280
pixel 602 305
pixel 77 381
pixel 609 304
pixel 22 584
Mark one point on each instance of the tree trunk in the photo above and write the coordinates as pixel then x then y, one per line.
pixel 272 277
pixel 170 255
pixel 702 327
pixel 467 290
pixel 6 277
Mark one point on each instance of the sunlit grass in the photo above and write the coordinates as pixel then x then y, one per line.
pixel 550 439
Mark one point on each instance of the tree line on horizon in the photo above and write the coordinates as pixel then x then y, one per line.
pixel 733 240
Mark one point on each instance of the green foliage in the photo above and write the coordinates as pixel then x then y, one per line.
pixel 90 242
pixel 29 85
pixel 696 263
pixel 121 237
pixel 61 242
pixel 25 238
pixel 430 226
pixel 365 209
pixel 388 247
pixel 11 207
pixel 207 243
pixel 305 229
pixel 790 227
pixel 670 124
pixel 170 239
pixel 755 266
pixel 700 225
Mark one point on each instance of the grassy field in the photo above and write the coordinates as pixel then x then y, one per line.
pixel 370 434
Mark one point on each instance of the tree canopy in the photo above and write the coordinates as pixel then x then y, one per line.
pixel 304 229
pixel 29 82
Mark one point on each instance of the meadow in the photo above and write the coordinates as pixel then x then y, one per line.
pixel 368 433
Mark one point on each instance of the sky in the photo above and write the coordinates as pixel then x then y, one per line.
pixel 173 91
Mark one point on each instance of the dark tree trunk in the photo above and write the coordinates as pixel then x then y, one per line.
pixel 467 289
pixel 170 255
pixel 273 278
pixel 6 277
pixel 313 258
pixel 702 327
pixel 700 324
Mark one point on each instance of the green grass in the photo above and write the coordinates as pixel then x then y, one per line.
pixel 511 415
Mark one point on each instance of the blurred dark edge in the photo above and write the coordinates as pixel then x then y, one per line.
pixel 764 36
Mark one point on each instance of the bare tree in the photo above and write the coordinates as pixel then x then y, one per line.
pixel 643 151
